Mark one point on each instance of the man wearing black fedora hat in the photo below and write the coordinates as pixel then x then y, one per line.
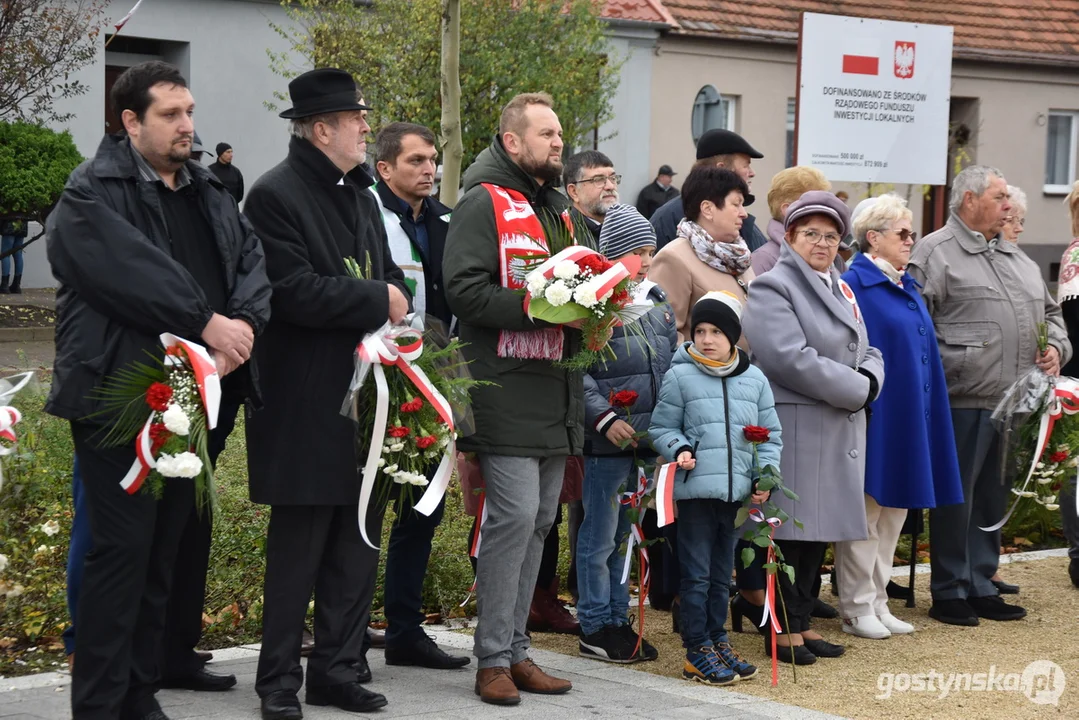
pixel 312 211
pixel 722 148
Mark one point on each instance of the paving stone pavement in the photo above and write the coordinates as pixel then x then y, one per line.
pixel 599 691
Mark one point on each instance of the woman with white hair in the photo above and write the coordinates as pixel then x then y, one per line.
pixel 1016 220
pixel 910 459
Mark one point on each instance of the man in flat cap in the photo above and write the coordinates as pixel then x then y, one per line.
pixel 312 211
pixel 657 193
pixel 725 149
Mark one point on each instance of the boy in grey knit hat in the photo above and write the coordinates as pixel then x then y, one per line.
pixel 619 397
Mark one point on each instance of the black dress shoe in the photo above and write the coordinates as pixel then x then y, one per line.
pixel 202 680
pixel 363 671
pixel 351 697
pixel 993 607
pixel 802 654
pixel 424 653
pixel 1073 572
pixel 823 648
pixel 144 708
pixel 953 612
pixel 1005 588
pixel 823 610
pixel 281 705
pixel 897 591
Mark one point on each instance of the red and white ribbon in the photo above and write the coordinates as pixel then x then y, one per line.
pixel 635 499
pixel 474 550
pixel 770 588
pixel 209 384
pixel 379 350
pixel 608 279
pixel 9 415
pixel 665 493
pixel 1064 400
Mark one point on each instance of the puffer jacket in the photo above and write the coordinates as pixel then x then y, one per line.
pixel 644 355
pixel 707 415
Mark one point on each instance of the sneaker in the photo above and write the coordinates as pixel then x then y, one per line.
pixel 704 666
pixel 647 651
pixel 866 626
pixel 734 661
pixel 895 625
pixel 609 645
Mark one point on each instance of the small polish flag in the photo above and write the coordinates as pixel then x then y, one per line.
pixel 128 16
pixel 861 64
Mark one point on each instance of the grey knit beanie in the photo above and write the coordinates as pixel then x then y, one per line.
pixel 623 231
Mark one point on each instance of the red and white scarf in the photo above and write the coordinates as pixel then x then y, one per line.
pixel 521 242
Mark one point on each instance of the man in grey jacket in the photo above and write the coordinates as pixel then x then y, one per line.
pixel 986 299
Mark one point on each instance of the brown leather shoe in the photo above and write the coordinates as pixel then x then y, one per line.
pixel 495 686
pixel 548 614
pixel 377 637
pixel 307 645
pixel 527 676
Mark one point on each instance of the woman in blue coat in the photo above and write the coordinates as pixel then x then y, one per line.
pixel 910 447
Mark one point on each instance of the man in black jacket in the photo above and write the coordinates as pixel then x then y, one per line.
pixel 312 211
pixel 228 173
pixel 658 192
pixel 416 226
pixel 143 241
pixel 592 186
pixel 721 148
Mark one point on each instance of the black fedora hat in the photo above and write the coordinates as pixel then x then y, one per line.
pixel 325 90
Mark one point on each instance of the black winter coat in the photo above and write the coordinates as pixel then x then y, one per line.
pixel 652 197
pixel 120 287
pixel 300 449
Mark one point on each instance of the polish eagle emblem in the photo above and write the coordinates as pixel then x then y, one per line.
pixel 904 59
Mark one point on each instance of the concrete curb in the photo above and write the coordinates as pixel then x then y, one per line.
pixel 30 334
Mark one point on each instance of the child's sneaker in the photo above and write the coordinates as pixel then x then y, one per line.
pixel 734 661
pixel 609 645
pixel 647 651
pixel 703 665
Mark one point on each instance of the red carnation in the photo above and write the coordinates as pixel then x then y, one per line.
pixel 623 398
pixel 159 435
pixel 158 396
pixel 620 298
pixel 398 431
pixel 414 405
pixel 594 263
pixel 425 441
pixel 757 434
pixel 1059 456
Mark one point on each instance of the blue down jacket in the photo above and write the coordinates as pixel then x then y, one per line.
pixel 640 365
pixel 707 414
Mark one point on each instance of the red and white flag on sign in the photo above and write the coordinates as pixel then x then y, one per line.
pixel 128 16
pixel 861 56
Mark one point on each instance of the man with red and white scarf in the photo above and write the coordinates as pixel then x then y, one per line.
pixel 531 418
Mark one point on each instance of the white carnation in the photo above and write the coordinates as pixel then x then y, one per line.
pixel 184 465
pixel 1052 506
pixel 382 462
pixel 1051 499
pixel 585 294
pixel 565 270
pixel 400 478
pixel 3 563
pixel 397 447
pixel 536 283
pixel 557 293
pixel 1045 480
pixel 1040 465
pixel 418 479
pixel 390 469
pixel 176 420
pixel 50 528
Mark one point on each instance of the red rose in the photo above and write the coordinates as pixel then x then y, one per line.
pixel 414 405
pixel 425 441
pixel 159 435
pixel 1059 456
pixel 158 396
pixel 757 434
pixel 398 431
pixel 623 398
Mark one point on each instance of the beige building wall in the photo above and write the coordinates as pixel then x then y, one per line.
pixel 1010 130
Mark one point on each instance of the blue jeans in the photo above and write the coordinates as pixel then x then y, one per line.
pixel 7 243
pixel 78 546
pixel 706 539
pixel 603 599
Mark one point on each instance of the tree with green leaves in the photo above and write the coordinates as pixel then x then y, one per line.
pixel 393 48
pixel 42 44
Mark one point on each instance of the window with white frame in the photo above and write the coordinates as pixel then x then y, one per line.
pixel 710 111
pixel 790 133
pixel 1060 150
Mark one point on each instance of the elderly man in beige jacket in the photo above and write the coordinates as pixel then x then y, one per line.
pixel 986 299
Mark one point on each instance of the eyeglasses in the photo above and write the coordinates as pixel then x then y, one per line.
pixel 599 180
pixel 814 238
pixel 1021 222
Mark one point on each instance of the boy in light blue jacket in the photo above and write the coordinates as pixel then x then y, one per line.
pixel 708 398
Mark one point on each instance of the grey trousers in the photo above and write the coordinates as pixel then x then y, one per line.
pixel 964 557
pixel 1068 516
pixel 521 502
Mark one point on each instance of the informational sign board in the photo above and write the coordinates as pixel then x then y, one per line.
pixel 873 99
